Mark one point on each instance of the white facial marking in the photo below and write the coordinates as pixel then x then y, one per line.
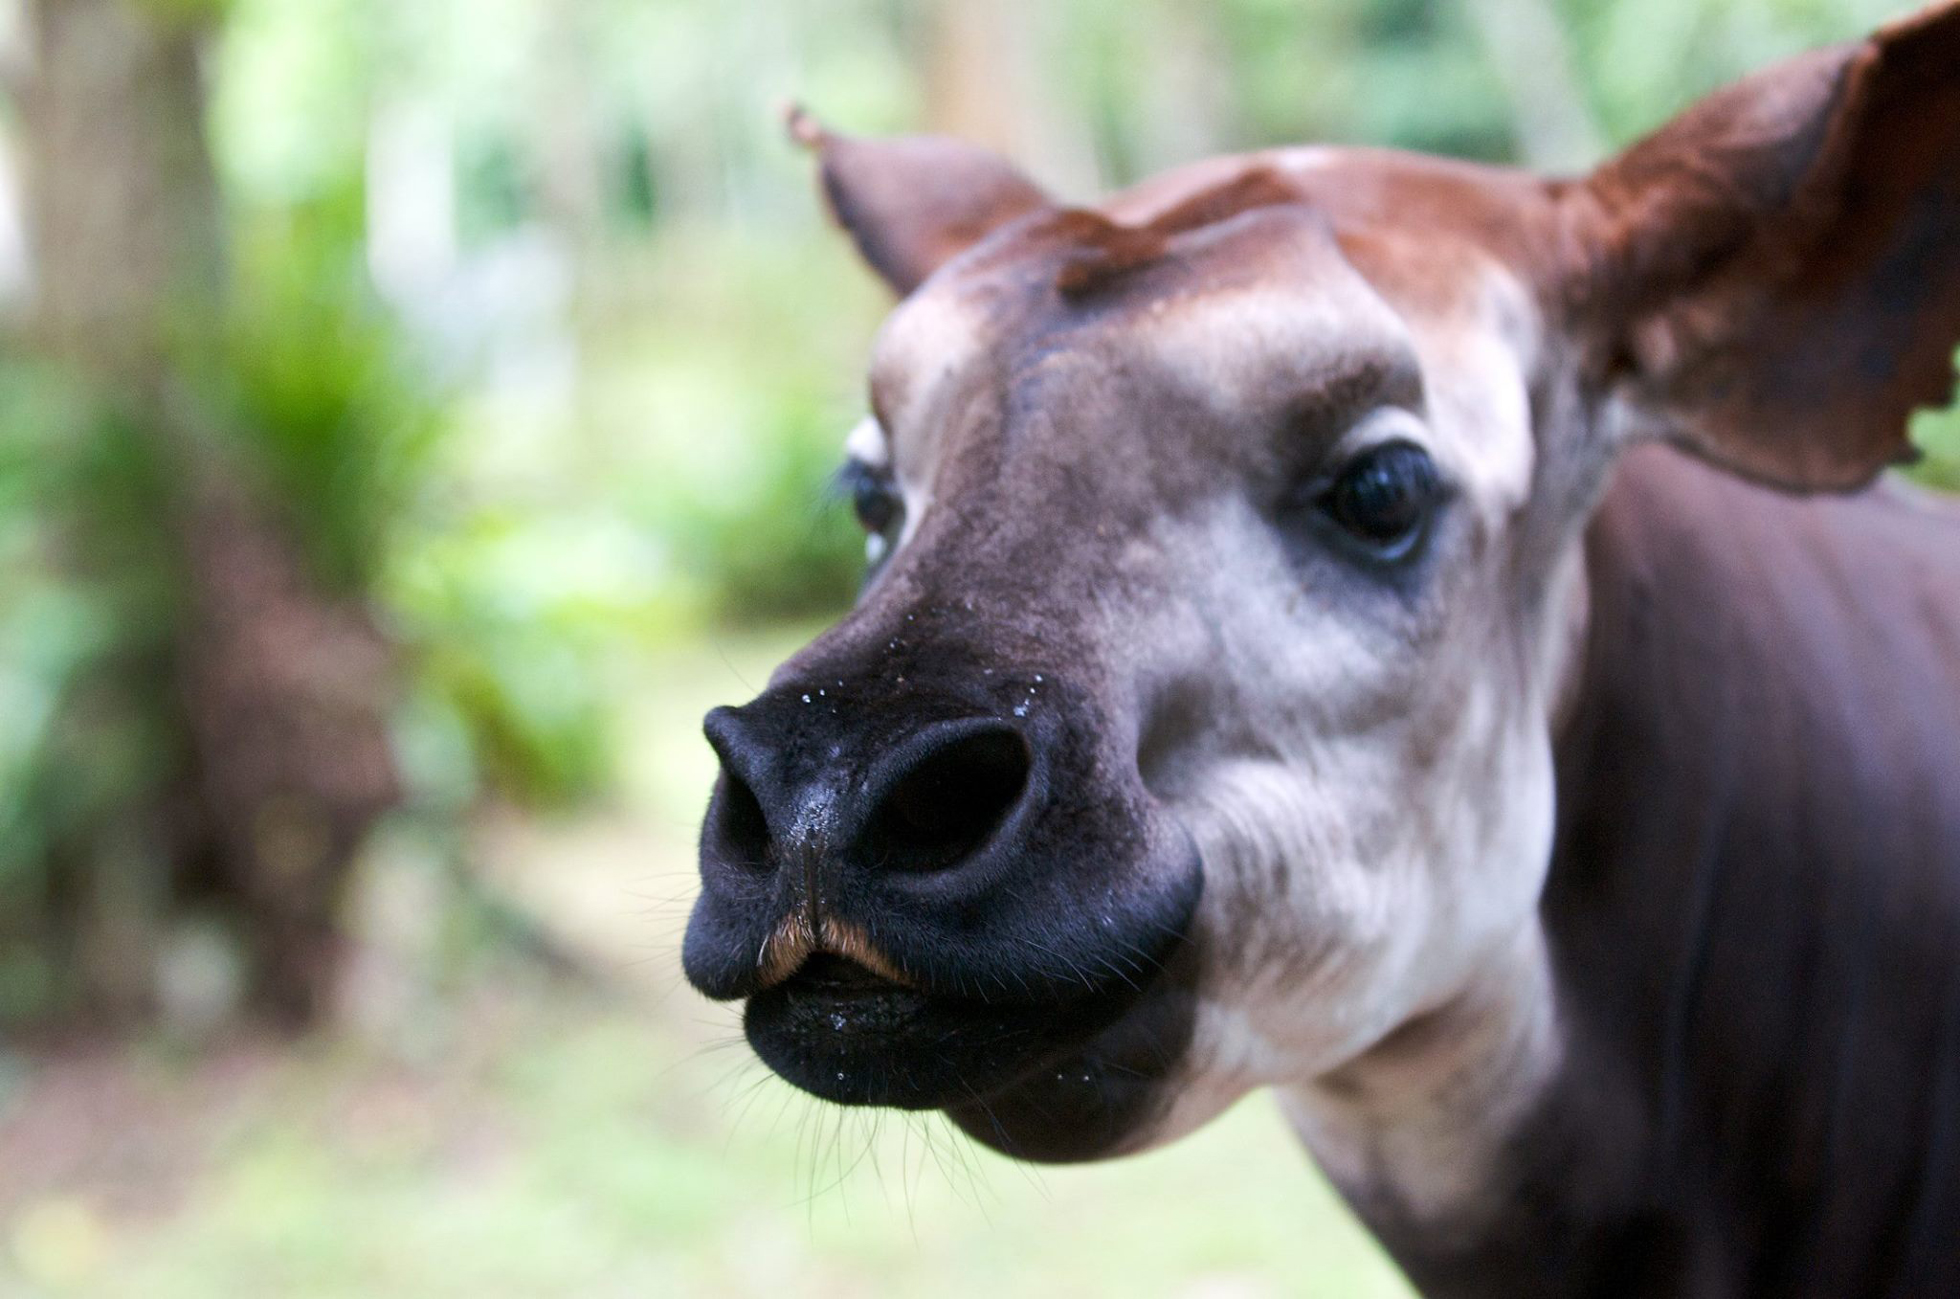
pixel 868 445
pixel 1478 399
pixel 1371 782
pixel 924 350
pixel 1415 1136
pixel 1230 347
pixel 920 353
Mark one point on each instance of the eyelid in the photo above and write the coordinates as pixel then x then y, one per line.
pixel 1369 384
pixel 855 468
pixel 1378 428
pixel 869 445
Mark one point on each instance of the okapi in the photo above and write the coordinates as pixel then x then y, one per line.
pixel 1422 638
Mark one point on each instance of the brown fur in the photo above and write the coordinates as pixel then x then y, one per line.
pixel 1589 882
pixel 795 941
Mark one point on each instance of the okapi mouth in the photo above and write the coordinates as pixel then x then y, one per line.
pixel 854 1037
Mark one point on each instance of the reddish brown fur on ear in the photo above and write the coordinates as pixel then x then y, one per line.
pixel 912 203
pixel 1776 273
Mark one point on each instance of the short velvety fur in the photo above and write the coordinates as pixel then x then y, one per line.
pixel 1754 911
pixel 1584 876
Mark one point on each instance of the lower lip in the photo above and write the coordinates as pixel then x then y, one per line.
pixel 857 1011
pixel 882 1046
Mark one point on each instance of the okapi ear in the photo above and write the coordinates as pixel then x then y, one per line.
pixel 911 203
pixel 1774 277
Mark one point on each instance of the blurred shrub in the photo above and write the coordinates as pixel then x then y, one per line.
pixel 1938 437
pixel 87 593
pixel 724 411
pixel 323 393
pixel 317 401
pixel 780 544
pixel 511 621
pixel 361 454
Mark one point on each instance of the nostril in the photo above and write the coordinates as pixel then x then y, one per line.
pixel 736 831
pixel 946 802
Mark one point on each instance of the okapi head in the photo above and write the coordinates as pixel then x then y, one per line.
pixel 1194 730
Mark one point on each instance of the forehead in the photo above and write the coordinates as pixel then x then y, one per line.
pixel 1269 303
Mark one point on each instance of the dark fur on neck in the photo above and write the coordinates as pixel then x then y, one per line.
pixel 1753 911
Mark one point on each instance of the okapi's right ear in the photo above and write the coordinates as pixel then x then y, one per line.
pixel 912 203
pixel 1773 278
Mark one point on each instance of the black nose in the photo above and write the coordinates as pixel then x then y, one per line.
pixel 929 799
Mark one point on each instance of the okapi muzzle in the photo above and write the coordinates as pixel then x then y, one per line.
pixel 933 875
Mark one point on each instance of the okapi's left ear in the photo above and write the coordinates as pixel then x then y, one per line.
pixel 1774 277
pixel 911 203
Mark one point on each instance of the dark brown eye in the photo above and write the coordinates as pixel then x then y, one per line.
pixel 873 498
pixel 1385 498
pixel 879 508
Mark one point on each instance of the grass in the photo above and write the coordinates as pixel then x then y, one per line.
pixel 572 1149
pixel 526 1135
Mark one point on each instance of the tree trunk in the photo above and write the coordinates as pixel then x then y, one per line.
pixel 122 202
pixel 985 80
pixel 282 688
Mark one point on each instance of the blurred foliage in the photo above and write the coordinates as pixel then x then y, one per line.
pixel 780 545
pixel 600 399
pixel 511 682
pixel 725 412
pixel 1937 435
pixel 316 394
pixel 87 608
pixel 320 388
pixel 502 636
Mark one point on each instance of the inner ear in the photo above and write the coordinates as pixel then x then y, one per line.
pixel 912 203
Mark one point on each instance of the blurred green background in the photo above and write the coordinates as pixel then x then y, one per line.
pixel 413 415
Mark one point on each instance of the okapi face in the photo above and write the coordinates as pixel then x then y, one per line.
pixel 1193 732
